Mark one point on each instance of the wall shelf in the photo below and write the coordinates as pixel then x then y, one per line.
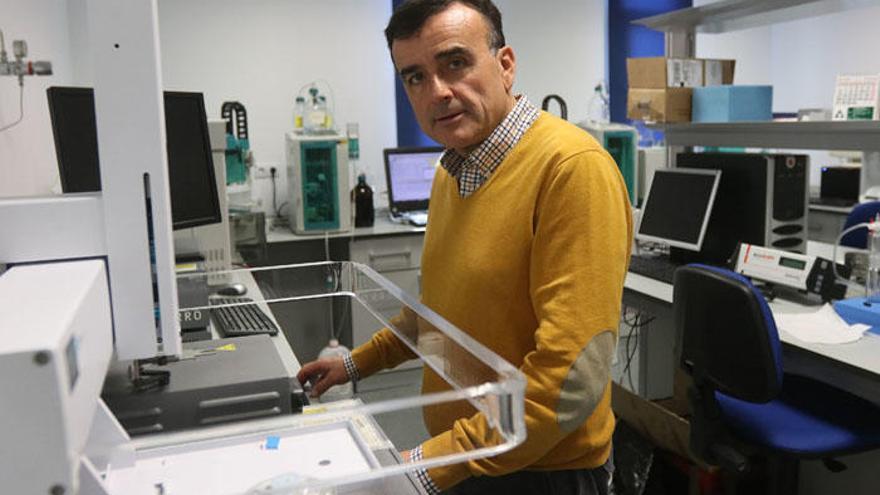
pixel 733 15
pixel 838 135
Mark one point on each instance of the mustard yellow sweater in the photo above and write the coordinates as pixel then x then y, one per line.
pixel 532 266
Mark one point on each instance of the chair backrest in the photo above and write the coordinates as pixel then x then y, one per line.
pixel 728 336
pixel 861 213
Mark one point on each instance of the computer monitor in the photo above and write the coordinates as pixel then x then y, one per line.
pixel 678 206
pixel 410 173
pixel 194 199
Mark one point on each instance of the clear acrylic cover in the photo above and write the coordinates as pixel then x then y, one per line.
pixel 320 300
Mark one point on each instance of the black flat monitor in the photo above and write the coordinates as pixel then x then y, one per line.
pixel 410 173
pixel 194 199
pixel 678 206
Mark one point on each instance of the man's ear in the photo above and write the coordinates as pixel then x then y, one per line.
pixel 507 63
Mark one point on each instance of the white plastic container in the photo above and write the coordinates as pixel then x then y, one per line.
pixel 337 392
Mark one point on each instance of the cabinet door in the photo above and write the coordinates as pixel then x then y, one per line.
pixel 390 253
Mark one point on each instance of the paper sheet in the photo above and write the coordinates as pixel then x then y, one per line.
pixel 824 326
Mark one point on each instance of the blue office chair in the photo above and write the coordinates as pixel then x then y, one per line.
pixel 742 403
pixel 861 213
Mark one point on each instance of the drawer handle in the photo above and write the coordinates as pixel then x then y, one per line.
pixel 395 254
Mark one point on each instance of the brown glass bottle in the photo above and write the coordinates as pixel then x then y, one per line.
pixel 362 194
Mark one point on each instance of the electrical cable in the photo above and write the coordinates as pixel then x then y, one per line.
pixel 20 109
pixel 272 173
pixel 634 322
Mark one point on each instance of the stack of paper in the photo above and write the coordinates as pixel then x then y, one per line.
pixel 824 326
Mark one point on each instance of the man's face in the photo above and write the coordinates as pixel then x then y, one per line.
pixel 458 87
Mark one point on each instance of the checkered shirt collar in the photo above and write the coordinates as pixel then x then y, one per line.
pixel 475 168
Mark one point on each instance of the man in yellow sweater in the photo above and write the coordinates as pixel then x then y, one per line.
pixel 528 239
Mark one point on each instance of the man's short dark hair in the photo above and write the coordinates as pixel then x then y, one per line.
pixel 409 17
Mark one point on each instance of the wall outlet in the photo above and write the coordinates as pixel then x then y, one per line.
pixel 261 172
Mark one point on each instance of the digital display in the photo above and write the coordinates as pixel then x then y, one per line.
pixel 792 263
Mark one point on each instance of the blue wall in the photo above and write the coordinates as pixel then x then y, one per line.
pixel 624 40
pixel 631 40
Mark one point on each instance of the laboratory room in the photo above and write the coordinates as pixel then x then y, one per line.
pixel 585 247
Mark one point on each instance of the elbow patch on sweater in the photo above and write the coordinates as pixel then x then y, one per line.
pixel 586 381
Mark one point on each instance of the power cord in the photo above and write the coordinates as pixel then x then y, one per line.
pixel 20 109
pixel 634 322
pixel 278 220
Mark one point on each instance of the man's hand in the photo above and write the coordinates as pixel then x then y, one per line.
pixel 323 374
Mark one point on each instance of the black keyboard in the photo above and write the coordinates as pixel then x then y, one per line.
pixel 839 202
pixel 658 267
pixel 239 321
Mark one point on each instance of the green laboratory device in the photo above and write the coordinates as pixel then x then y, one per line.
pixel 318 175
pixel 621 142
pixel 237 144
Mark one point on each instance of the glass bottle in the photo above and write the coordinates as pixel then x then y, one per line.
pixel 363 203
pixel 315 117
pixel 328 119
pixel 299 109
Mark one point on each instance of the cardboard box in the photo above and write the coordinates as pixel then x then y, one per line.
pixel 658 421
pixel 718 72
pixel 732 104
pixel 662 72
pixel 659 105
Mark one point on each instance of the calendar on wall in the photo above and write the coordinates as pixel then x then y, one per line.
pixel 856 98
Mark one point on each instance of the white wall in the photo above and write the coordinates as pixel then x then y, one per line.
pixel 560 49
pixel 262 52
pixel 27 152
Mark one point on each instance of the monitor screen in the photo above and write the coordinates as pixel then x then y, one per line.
pixel 72 111
pixel 190 164
pixel 677 208
pixel 410 173
pixel 194 198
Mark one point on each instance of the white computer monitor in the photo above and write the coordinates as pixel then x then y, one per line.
pixel 678 206
pixel 410 173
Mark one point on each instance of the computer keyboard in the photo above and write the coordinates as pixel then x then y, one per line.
pixel 658 267
pixel 239 321
pixel 839 202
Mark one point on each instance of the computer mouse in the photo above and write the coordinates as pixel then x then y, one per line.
pixel 233 290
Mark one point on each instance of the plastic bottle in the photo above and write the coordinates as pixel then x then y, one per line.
pixel 299 109
pixel 336 392
pixel 352 132
pixel 362 195
pixel 598 109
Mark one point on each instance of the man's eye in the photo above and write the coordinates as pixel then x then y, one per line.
pixel 456 63
pixel 413 79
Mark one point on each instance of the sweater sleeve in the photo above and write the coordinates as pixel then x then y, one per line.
pixel 385 350
pixel 582 237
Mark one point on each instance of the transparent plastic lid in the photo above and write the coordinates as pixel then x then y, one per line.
pixel 315 302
